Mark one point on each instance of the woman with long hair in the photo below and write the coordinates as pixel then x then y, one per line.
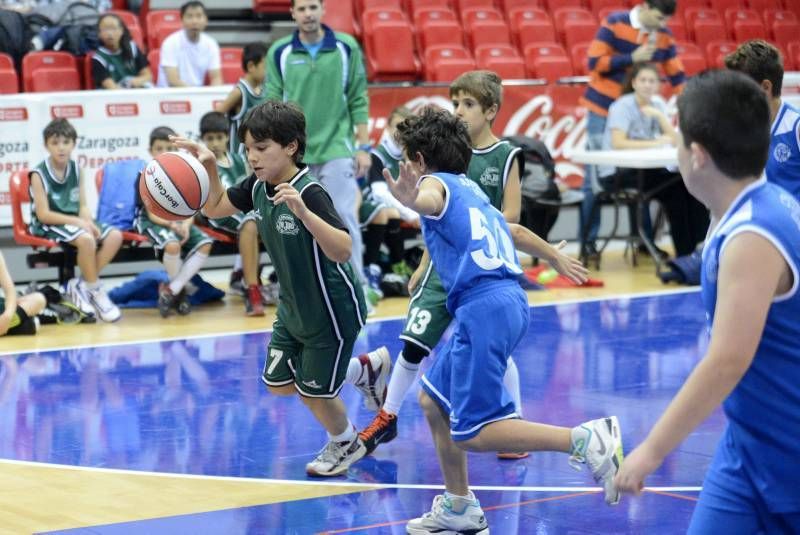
pixel 118 63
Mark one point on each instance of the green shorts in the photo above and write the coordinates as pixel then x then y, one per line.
pixel 317 371
pixel 368 210
pixel 427 317
pixel 232 224
pixel 66 233
pixel 160 236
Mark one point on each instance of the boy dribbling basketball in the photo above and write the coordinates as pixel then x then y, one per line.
pixel 321 308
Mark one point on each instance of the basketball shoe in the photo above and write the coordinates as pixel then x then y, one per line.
pixel 253 305
pixel 336 457
pixel 375 368
pixel 598 444
pixel 76 292
pixel 182 305
pixel 165 299
pixel 383 429
pixel 442 519
pixel 106 309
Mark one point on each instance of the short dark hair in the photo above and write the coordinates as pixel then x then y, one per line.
pixel 60 127
pixel 320 1
pixel 193 3
pixel 441 138
pixel 253 53
pixel 484 86
pixel 214 121
pixel 728 114
pixel 281 122
pixel 760 61
pixel 666 7
pixel 161 133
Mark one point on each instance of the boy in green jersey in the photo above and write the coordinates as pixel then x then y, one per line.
pixel 495 167
pixel 231 168
pixel 60 212
pixel 249 92
pixel 321 307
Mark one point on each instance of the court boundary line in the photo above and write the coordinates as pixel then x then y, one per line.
pixel 580 300
pixel 325 483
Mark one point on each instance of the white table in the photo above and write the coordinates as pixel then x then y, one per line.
pixel 635 159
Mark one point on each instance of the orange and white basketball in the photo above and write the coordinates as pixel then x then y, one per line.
pixel 174 186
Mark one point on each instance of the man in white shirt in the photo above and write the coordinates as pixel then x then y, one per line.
pixel 188 55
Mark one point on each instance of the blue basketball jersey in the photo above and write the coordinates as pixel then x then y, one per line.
pixel 469 242
pixel 764 408
pixel 783 164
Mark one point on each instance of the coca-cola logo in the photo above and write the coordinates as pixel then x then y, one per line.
pixel 13 114
pixel 175 107
pixel 122 110
pixel 66 111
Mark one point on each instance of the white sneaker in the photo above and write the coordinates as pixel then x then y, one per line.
pixel 76 292
pixel 598 444
pixel 336 457
pixel 442 520
pixel 375 368
pixel 106 309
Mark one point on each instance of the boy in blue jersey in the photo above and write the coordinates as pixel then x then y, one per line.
pixel 762 62
pixel 749 290
pixel 470 243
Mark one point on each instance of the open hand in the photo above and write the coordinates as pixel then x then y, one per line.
pixel 287 194
pixel 201 152
pixel 404 189
pixel 639 464
pixel 570 267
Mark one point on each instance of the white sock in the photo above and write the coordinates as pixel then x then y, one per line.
pixel 403 376
pixel 511 382
pixel 188 269
pixel 347 436
pixel 92 285
pixel 172 263
pixel 459 503
pixel 353 371
pixel 237 263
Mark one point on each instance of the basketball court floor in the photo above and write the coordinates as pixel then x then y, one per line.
pixel 165 427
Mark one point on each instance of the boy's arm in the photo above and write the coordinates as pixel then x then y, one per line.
pixel 10 294
pixel 512 195
pixel 751 273
pixel 231 102
pixel 427 198
pixel 413 281
pixel 43 211
pixel 528 242
pixel 334 242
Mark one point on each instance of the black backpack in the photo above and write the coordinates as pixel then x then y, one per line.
pixel 70 29
pixel 538 172
pixel 15 40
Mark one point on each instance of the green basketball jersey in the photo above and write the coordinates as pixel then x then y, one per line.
pixel 490 167
pixel 250 99
pixel 320 300
pixel 390 161
pixel 233 173
pixel 115 64
pixel 63 196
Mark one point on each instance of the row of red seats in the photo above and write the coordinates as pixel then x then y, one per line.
pixel 703 25
pixel 696 59
pixel 60 71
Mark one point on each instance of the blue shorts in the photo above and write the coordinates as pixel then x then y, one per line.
pixel 729 498
pixel 466 378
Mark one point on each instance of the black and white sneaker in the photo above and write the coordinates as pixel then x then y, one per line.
pixel 336 457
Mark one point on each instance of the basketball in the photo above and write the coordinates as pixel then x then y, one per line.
pixel 174 186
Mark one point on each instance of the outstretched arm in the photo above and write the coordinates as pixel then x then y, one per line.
pixel 426 199
pixel 528 242
pixel 218 205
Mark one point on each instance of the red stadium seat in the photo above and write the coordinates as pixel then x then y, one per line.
pixel 502 59
pixel 165 18
pixel 19 191
pixel 55 79
pixel 485 27
pixel 793 54
pixel 716 52
pixel 423 15
pixel 439 32
pixel 413 5
pixel 9 81
pixel 552 5
pixel 762 5
pixel 722 5
pixel 389 47
pixel 691 14
pixel 604 12
pixel 580 58
pixel 131 21
pixel 678 29
pixel 154 59
pixel 734 14
pixel 744 30
pixel 446 63
pixel 48 60
pixel 775 14
pixel 507 6
pixel 462 5
pixel 387 5
pixel 231 64
pixel 372 17
pixel 547 61
pixel 692 57
pixel 572 15
pixel 684 5
pixel 272 6
pixel 707 30
pixel 785 32
pixel 529 26
pixel 578 31
pixel 596 6
pixel 340 16
pixel 163 31
pixel 469 16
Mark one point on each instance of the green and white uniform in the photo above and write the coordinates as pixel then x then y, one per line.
pixel 231 175
pixel 427 317
pixel 64 197
pixel 250 99
pixel 321 307
pixel 108 64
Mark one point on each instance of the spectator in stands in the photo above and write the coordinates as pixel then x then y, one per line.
pixel 624 38
pixel 60 213
pixel 118 63
pixel 190 54
pixel 249 92
pixel 170 239
pixel 18 313
pixel 638 120
pixel 323 72
pixel 762 62
pixel 214 128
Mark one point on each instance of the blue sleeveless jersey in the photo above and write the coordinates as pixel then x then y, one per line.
pixel 469 242
pixel 764 408
pixel 783 164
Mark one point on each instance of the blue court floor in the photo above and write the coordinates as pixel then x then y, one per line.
pixel 197 406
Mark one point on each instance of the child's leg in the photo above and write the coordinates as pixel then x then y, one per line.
pixel 331 413
pixel 110 245
pixel 452 459
pixel 248 249
pixel 199 249
pixel 87 260
pixel 171 258
pixel 32 304
pixel 374 231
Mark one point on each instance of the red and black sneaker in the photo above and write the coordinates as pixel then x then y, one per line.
pixel 383 429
